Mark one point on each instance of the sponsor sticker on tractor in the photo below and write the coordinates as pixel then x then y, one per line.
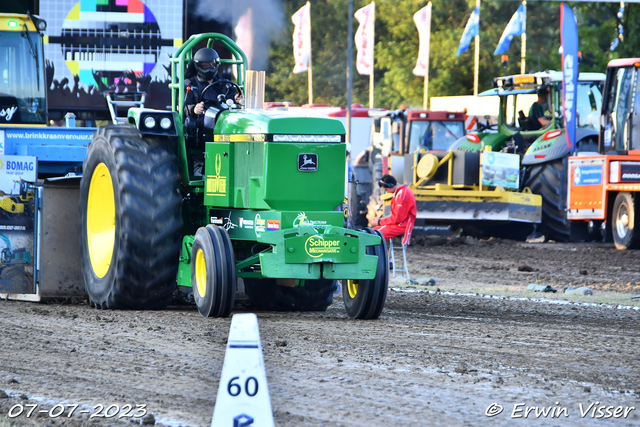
pixel 317 245
pixel 273 224
pixel 302 220
pixel 260 224
pixel 245 223
pixel 321 248
pixel 587 175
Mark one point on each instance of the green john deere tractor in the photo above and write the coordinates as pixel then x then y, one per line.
pixel 154 221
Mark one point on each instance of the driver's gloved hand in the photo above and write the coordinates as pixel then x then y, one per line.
pixel 199 108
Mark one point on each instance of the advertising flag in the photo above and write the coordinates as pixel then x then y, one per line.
pixel 516 27
pixel 422 18
pixel 365 39
pixel 470 31
pixel 569 43
pixel 302 39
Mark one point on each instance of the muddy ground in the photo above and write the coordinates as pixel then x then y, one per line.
pixel 433 358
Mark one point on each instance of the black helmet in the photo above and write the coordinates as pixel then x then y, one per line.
pixel 206 61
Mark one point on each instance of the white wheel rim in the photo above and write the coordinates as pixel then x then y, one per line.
pixel 622 221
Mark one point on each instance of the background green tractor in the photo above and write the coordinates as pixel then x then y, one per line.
pixel 545 151
pixel 262 209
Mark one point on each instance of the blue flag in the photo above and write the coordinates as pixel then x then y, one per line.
pixel 569 42
pixel 470 31
pixel 517 26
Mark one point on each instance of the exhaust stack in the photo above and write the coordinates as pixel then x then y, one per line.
pixel 254 90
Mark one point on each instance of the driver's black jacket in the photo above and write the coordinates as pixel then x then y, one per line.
pixel 197 86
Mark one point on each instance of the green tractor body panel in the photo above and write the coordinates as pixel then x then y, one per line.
pixel 246 169
pixel 274 122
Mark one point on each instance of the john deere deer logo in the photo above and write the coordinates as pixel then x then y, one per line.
pixel 307 162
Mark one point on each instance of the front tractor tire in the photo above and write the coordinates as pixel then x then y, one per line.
pixel 623 218
pixel 364 299
pixel 213 272
pixel 130 221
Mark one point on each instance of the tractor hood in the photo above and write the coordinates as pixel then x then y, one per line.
pixel 275 122
pixel 493 139
pixel 545 150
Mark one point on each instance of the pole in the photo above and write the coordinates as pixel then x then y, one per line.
pixel 349 75
pixel 371 89
pixel 523 53
pixel 425 99
pixel 309 72
pixel 373 29
pixel 476 65
pixel 523 49
pixel 310 81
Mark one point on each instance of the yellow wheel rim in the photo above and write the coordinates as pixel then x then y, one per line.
pixel 352 287
pixel 201 274
pixel 101 220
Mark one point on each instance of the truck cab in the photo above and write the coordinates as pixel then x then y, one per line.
pixel 22 77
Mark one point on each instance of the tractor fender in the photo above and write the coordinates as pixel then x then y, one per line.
pixel 558 147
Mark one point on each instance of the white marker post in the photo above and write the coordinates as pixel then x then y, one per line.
pixel 243 395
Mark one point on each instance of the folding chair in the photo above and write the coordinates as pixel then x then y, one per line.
pixel 405 242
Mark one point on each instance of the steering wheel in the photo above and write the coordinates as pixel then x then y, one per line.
pixel 218 102
pixel 486 126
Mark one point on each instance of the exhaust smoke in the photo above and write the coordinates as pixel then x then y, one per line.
pixel 255 22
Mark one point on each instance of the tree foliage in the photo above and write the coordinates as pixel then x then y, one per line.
pixel 396 48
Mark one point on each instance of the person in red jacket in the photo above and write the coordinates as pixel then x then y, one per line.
pixel 403 208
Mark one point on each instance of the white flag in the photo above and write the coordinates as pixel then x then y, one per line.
pixel 302 38
pixel 365 39
pixel 422 18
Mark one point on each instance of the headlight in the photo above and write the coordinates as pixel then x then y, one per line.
pixel 165 123
pixel 149 122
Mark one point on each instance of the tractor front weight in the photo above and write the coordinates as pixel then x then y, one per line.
pixel 302 252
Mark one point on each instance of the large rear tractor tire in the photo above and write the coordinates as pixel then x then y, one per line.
pixel 364 299
pixel 315 295
pixel 623 218
pixel 130 222
pixel 213 272
pixel 550 181
pixel 358 197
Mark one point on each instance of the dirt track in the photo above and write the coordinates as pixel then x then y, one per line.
pixel 432 358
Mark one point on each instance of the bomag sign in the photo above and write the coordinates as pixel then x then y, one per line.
pixel 317 246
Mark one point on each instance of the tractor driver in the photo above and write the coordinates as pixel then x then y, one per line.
pixel 537 119
pixel 403 208
pixel 206 62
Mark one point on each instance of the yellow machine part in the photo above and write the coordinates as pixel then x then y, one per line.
pixel 8 205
